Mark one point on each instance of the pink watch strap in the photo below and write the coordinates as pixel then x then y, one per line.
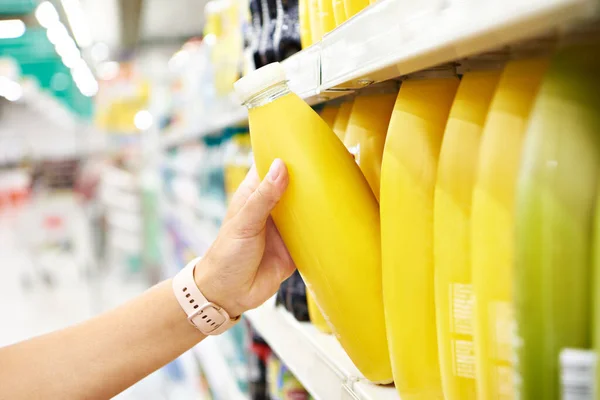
pixel 209 318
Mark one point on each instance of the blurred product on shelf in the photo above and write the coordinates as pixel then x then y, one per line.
pixel 304 21
pixel 287 33
pixel 238 160
pixel 367 128
pixel 492 224
pixel 258 357
pixel 341 257
pixel 326 17
pixel 292 295
pixel 408 176
pixel 341 119
pixel 555 211
pixel 353 7
pixel 120 99
pixel 451 225
pixel 282 384
pixel 15 188
pixel 339 12
pixel 316 29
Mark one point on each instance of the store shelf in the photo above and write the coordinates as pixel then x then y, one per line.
pixel 391 38
pixel 218 373
pixel 316 359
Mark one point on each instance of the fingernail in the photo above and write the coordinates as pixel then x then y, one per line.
pixel 275 170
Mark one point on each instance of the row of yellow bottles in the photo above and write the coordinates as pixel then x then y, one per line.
pixel 319 17
pixel 487 190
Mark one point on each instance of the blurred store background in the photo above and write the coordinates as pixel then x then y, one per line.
pixel 121 142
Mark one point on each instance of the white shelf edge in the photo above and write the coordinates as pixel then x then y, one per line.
pixel 391 38
pixel 315 358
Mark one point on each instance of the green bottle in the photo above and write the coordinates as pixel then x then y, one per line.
pixel 555 206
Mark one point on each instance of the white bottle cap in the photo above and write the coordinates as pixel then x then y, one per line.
pixel 259 80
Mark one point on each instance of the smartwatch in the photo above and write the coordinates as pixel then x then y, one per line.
pixel 207 317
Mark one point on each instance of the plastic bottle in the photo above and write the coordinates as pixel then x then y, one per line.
pixel 452 216
pixel 408 175
pixel 337 259
pixel 492 224
pixel 367 128
pixel 316 31
pixel 286 37
pixel 304 20
pixel 353 7
pixel 556 198
pixel 341 119
pixel 315 314
pixel 339 12
pixel 326 17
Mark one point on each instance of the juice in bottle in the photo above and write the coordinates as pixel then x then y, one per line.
pixel 408 174
pixel 339 12
pixel 451 224
pixel 492 224
pixel 341 119
pixel 304 21
pixel 316 31
pixel 555 204
pixel 367 127
pixel 326 17
pixel 353 7
pixel 315 314
pixel 328 216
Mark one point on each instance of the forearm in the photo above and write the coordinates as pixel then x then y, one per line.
pixel 103 356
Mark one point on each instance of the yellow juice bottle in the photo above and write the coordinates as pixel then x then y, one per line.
pixel 341 257
pixel 452 217
pixel 328 114
pixel 315 314
pixel 316 31
pixel 341 120
pixel 555 204
pixel 304 20
pixel 353 7
pixel 367 128
pixel 492 225
pixel 339 12
pixel 408 174
pixel 326 17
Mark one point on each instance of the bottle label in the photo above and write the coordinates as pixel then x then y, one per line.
pixel 578 374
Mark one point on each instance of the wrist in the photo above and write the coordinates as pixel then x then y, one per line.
pixel 208 284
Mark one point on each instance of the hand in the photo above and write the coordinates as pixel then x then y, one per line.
pixel 248 261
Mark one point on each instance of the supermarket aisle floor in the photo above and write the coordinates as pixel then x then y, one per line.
pixel 44 290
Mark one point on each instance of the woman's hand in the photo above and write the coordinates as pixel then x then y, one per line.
pixel 248 260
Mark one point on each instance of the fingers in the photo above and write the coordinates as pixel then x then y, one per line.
pixel 258 206
pixel 241 195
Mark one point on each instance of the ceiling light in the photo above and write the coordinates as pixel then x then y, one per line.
pixel 12 29
pixel 77 21
pixel 46 14
pixel 9 89
pixel 143 120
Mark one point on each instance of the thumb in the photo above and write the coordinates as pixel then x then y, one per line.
pixel 253 215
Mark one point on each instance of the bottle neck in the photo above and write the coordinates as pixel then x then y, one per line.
pixel 267 95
